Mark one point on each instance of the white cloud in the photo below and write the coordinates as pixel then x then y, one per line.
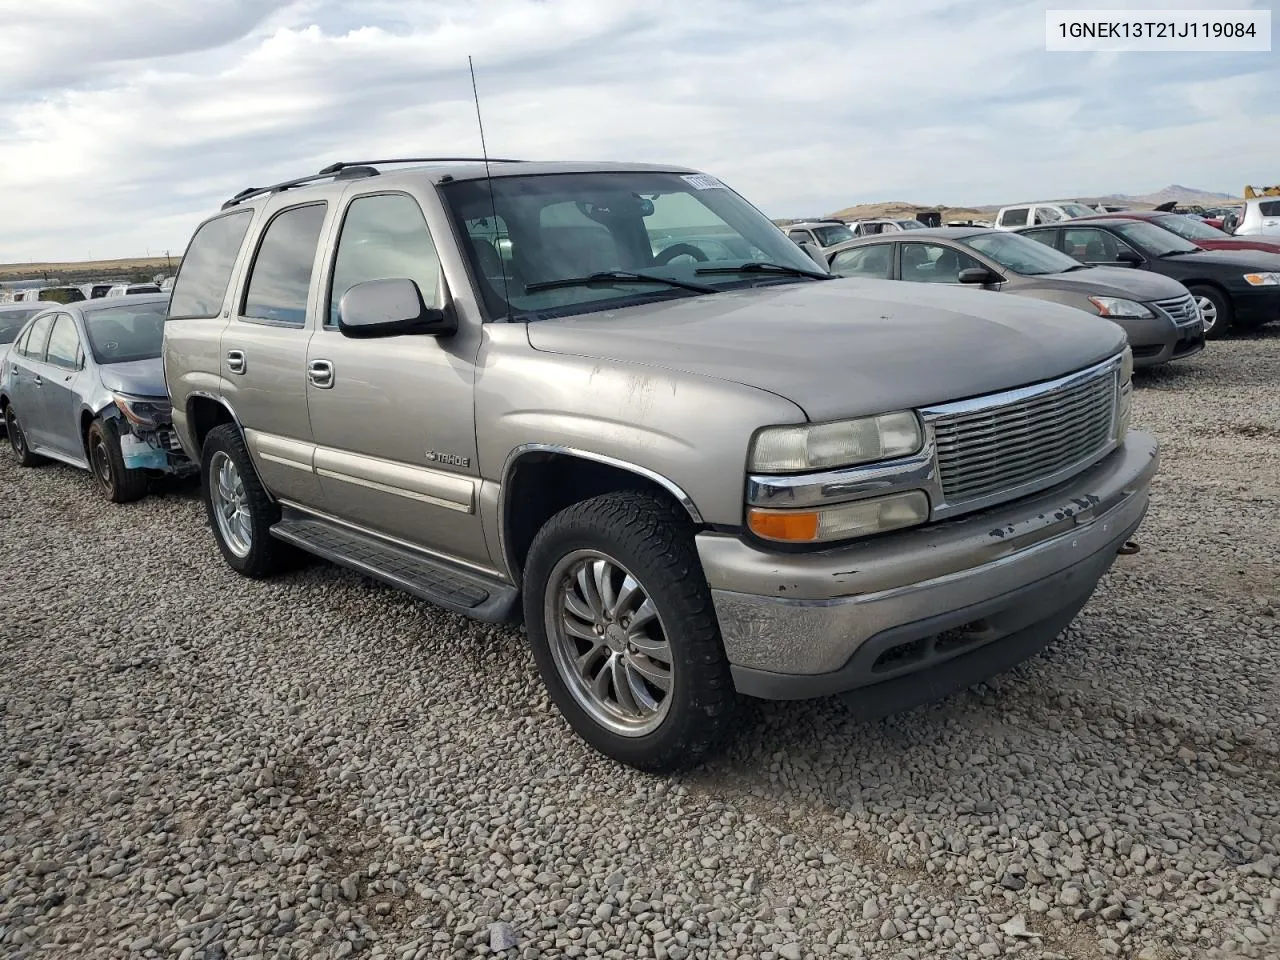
pixel 123 126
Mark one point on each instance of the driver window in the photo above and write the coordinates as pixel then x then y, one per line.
pixel 64 343
pixel 1090 245
pixel 932 263
pixel 872 261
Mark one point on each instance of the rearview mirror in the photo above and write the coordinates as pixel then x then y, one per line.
pixel 979 275
pixel 1128 257
pixel 391 308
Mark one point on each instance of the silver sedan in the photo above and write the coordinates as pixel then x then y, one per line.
pixel 83 383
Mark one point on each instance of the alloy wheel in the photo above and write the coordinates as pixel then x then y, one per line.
pixel 230 505
pixel 609 643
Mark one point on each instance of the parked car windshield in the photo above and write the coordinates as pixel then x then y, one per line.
pixel 11 322
pixel 1076 209
pixel 689 229
pixel 126 333
pixel 1155 241
pixel 1190 229
pixel 830 236
pixel 1020 254
pixel 911 224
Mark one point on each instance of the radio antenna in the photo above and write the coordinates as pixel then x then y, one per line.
pixel 488 179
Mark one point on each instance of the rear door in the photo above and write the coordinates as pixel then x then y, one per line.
pixel 264 352
pixel 26 378
pixel 60 400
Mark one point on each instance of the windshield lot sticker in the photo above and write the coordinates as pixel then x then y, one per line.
pixel 702 181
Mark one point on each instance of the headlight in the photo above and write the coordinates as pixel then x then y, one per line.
pixel 1117 307
pixel 143 411
pixel 842 443
pixel 841 521
pixel 1262 279
pixel 1126 365
pixel 1124 395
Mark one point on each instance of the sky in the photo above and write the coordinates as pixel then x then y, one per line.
pixel 124 124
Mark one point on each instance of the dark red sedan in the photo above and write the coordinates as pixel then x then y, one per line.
pixel 1197 231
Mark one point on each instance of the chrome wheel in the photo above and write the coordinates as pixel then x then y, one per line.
pixel 609 643
pixel 1208 312
pixel 230 505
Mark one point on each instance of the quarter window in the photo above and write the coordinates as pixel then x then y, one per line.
pixel 280 279
pixel 1269 208
pixel 64 343
pixel 33 345
pixel 205 271
pixel 872 261
pixel 385 237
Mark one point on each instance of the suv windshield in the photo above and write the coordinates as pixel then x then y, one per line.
pixel 910 224
pixel 1189 229
pixel 830 236
pixel 1076 210
pixel 1021 254
pixel 1154 241
pixel 566 226
pixel 126 333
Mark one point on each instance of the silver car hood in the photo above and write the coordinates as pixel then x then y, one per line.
pixel 847 347
pixel 141 378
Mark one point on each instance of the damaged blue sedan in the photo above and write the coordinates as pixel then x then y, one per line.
pixel 83 383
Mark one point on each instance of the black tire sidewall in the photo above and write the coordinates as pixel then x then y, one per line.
pixel 690 730
pixel 24 456
pixel 126 484
pixel 266 554
pixel 1225 319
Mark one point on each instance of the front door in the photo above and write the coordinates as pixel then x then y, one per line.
pixel 264 355
pixel 60 401
pixel 393 418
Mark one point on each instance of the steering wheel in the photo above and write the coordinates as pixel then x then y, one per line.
pixel 679 250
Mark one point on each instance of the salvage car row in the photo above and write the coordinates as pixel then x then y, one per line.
pixel 614 402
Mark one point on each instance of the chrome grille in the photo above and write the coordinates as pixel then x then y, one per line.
pixel 1007 445
pixel 1181 310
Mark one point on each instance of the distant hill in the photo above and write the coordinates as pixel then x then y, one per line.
pixel 1183 195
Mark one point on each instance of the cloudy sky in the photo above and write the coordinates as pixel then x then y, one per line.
pixel 123 123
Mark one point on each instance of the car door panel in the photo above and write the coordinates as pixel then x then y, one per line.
pixel 60 400
pixel 28 398
pixel 393 418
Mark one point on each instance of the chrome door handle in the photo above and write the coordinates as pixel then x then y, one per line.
pixel 37 380
pixel 320 373
pixel 235 361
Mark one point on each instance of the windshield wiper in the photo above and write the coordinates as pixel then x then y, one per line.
pixel 1078 266
pixel 609 277
pixel 759 266
pixel 1180 253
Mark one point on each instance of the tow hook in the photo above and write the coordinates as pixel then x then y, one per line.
pixel 1130 547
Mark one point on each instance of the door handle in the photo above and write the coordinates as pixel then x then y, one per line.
pixel 37 380
pixel 320 373
pixel 235 361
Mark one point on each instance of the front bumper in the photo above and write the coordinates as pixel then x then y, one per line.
pixel 1186 340
pixel 154 449
pixel 888 613
pixel 1256 305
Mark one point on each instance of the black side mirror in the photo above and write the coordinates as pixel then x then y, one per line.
pixel 1128 257
pixel 391 308
pixel 978 275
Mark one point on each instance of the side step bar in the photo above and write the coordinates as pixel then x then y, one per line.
pixel 436 581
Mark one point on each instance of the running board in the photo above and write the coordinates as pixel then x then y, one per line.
pixel 436 581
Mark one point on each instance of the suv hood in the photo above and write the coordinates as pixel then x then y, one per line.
pixel 1141 285
pixel 842 348
pixel 142 378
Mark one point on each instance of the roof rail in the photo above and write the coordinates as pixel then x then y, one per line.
pixel 351 170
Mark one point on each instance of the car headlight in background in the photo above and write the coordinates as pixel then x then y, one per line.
pixel 143 411
pixel 1119 307
pixel 840 521
pixel 841 443
pixel 1262 279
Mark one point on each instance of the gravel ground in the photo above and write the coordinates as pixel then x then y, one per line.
pixel 196 766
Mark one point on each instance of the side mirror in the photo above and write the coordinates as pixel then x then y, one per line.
pixel 978 275
pixel 1128 258
pixel 814 254
pixel 391 308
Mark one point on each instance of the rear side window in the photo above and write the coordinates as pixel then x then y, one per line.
pixel 1270 208
pixel 33 344
pixel 1014 217
pixel 206 268
pixel 280 278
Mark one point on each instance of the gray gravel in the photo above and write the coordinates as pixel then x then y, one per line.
pixel 195 766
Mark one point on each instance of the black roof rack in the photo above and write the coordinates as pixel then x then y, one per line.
pixel 351 170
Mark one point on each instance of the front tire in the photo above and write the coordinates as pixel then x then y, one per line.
pixel 622 627
pixel 18 440
pixel 118 483
pixel 240 511
pixel 1215 311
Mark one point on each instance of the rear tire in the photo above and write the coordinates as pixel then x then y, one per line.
pixel 240 511
pixel 608 579
pixel 18 440
pixel 1215 309
pixel 120 484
